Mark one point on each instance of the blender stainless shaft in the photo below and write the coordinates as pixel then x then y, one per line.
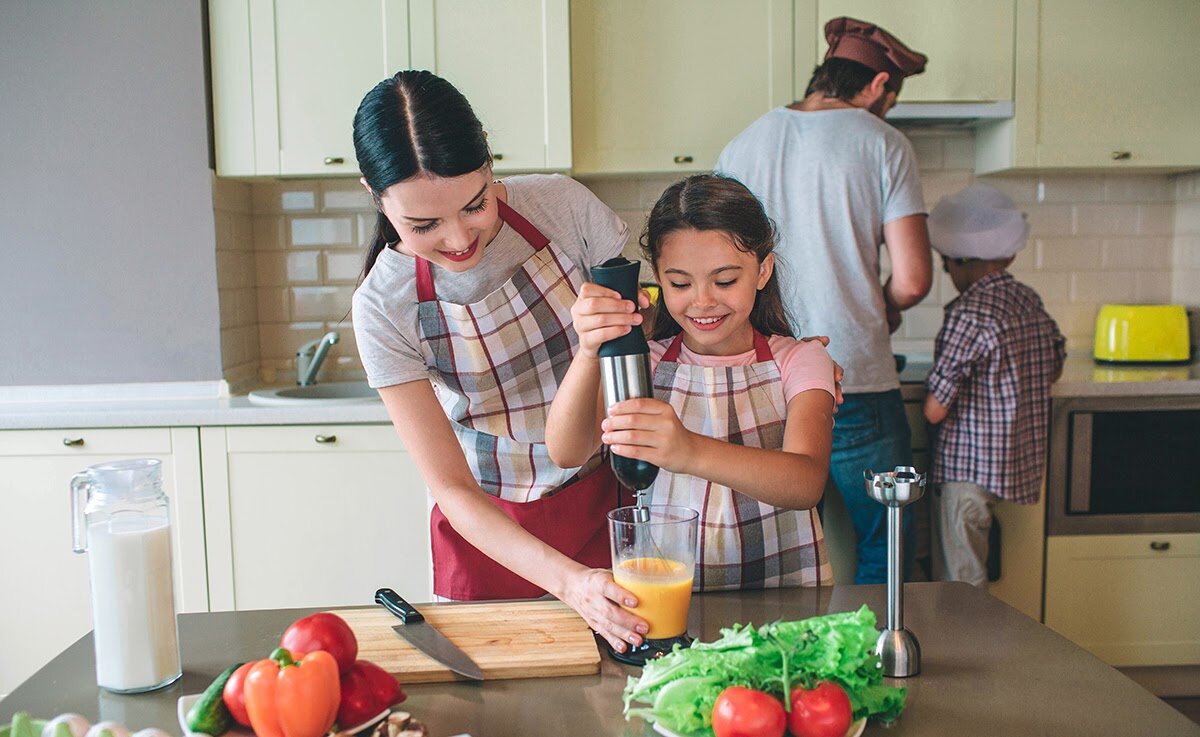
pixel 897 648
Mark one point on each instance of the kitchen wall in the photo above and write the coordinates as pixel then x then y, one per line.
pixel 1095 238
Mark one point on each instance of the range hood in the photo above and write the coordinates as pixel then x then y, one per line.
pixel 948 114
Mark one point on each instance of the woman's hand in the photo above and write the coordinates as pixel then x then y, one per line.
pixel 599 314
pixel 648 430
pixel 597 598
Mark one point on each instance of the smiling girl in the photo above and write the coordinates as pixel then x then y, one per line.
pixel 742 414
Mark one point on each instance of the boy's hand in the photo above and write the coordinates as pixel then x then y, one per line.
pixel 648 430
pixel 600 315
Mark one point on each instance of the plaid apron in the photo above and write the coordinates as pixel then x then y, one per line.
pixel 495 365
pixel 744 543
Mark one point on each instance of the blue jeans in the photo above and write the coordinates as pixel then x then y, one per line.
pixel 871 432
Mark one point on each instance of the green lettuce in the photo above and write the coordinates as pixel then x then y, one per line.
pixel 679 689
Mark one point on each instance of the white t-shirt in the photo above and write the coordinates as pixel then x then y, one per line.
pixel 803 365
pixel 830 180
pixel 385 304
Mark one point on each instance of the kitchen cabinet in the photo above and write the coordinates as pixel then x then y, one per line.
pixel 511 59
pixel 46 591
pixel 663 86
pixel 312 515
pixel 1130 599
pixel 1100 85
pixel 288 75
pixel 969 44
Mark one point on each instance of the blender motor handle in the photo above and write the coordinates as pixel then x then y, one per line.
pixel 621 275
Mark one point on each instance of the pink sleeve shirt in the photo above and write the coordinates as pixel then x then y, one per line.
pixel 802 365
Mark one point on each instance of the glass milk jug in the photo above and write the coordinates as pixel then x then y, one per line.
pixel 120 518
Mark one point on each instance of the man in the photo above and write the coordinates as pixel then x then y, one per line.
pixel 838 181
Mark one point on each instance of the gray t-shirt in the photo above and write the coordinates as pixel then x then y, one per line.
pixel 385 304
pixel 830 180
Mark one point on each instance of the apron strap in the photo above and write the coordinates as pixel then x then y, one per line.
pixel 534 237
pixel 762 350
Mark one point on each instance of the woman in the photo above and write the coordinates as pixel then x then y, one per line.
pixel 463 322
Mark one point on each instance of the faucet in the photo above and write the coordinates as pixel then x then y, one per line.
pixel 310 356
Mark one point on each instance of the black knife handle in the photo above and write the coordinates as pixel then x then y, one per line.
pixel 396 604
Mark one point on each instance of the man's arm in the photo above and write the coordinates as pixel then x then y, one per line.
pixel 935 411
pixel 907 241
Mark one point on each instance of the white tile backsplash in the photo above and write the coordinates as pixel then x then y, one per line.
pixel 322 231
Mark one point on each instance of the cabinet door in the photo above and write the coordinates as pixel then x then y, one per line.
pixel 308 516
pixel 663 86
pixel 1117 78
pixel 46 590
pixel 969 44
pixel 1130 599
pixel 520 88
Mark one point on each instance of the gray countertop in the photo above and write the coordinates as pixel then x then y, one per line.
pixel 987 669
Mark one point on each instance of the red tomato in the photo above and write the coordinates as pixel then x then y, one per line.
pixel 322 631
pixel 823 711
pixel 234 695
pixel 744 712
pixel 367 690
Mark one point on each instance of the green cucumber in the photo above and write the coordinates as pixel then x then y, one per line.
pixel 209 714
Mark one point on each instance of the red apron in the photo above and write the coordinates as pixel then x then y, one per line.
pixel 495 365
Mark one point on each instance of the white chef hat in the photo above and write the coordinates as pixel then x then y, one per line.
pixel 977 222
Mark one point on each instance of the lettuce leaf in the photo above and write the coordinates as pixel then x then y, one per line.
pixel 680 688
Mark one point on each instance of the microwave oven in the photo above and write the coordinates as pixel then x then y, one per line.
pixel 1124 464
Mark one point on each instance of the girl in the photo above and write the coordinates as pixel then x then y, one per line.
pixel 463 323
pixel 742 414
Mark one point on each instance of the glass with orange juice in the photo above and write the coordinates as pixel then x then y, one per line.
pixel 653 557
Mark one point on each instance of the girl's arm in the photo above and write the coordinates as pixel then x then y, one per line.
pixel 426 433
pixel 573 423
pixel 790 478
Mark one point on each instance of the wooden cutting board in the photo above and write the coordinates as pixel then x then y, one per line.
pixel 527 639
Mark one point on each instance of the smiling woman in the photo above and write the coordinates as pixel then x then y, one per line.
pixel 467 289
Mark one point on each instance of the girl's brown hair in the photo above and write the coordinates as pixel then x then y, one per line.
pixel 714 202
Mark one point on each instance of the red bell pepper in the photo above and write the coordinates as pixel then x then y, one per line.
pixel 367 690
pixel 234 694
pixel 293 698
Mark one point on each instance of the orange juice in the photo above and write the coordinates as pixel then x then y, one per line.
pixel 663 589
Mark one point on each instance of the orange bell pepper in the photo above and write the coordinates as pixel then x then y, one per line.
pixel 293 698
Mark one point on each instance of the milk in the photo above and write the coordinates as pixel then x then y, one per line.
pixel 133 602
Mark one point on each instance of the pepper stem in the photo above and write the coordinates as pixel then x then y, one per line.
pixel 283 657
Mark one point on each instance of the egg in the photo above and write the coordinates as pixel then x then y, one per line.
pixel 77 724
pixel 115 729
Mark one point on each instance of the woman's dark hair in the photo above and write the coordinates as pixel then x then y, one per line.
pixel 842 79
pixel 714 202
pixel 413 123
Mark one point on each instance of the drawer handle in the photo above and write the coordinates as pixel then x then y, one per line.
pixel 1122 155
pixel 326 439
pixel 1160 545
pixel 330 160
pixel 72 442
pixel 683 159
pixel 498 157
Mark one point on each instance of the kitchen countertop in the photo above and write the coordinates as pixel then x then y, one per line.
pixel 986 669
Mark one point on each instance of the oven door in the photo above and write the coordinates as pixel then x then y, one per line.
pixel 1124 465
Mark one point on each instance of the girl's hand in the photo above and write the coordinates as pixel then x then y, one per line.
pixel 599 315
pixel 648 430
pixel 597 598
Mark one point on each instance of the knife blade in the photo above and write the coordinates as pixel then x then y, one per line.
pixel 425 637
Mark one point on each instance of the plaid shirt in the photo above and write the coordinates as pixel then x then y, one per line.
pixel 995 358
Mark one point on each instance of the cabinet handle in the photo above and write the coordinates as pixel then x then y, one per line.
pixel 330 160
pixel 1122 155
pixel 685 159
pixel 498 157
pixel 72 442
pixel 1160 545
pixel 326 439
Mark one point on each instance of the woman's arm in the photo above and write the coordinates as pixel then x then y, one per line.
pixel 427 436
pixel 790 478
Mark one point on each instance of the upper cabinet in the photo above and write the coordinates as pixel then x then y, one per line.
pixel 663 86
pixel 969 44
pixel 1101 85
pixel 288 75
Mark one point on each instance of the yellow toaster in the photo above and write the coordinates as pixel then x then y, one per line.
pixel 1142 334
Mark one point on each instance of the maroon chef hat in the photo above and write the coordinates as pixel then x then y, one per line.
pixel 870 45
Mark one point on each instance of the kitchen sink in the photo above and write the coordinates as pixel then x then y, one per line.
pixel 336 392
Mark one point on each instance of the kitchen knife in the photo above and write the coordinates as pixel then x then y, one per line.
pixel 425 637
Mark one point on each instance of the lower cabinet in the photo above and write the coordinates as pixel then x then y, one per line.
pixel 312 516
pixel 1130 599
pixel 46 592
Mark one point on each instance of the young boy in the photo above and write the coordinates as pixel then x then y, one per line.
pixel 995 358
